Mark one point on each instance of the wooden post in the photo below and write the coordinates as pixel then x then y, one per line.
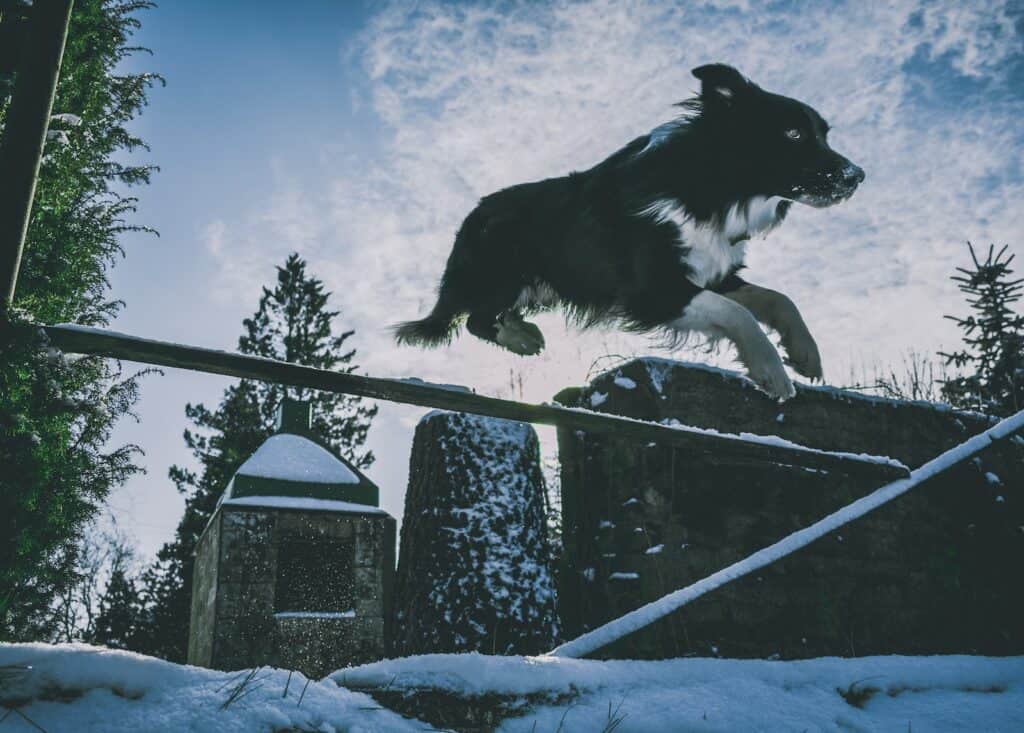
pixel 24 135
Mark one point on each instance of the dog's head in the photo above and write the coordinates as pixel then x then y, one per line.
pixel 778 144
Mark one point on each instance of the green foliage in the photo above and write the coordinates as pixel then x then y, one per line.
pixel 116 625
pixel 56 415
pixel 993 362
pixel 291 323
pixel 55 422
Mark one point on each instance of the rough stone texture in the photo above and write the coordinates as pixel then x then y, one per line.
pixel 932 572
pixel 238 581
pixel 204 607
pixel 473 569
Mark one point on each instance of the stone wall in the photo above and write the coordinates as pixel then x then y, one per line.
pixel 204 599
pixel 240 556
pixel 932 572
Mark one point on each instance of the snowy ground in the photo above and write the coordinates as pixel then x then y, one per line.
pixel 80 688
pixel 954 693
pixel 83 689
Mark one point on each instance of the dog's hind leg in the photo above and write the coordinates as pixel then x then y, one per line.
pixel 486 269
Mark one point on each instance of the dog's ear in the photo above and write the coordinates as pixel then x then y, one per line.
pixel 720 83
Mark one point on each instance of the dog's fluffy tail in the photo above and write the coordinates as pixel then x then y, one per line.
pixel 434 330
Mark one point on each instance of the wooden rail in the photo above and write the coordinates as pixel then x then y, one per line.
pixel 715 447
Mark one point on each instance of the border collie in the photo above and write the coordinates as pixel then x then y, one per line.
pixel 653 237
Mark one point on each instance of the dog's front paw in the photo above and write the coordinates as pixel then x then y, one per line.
pixel 802 354
pixel 520 337
pixel 765 368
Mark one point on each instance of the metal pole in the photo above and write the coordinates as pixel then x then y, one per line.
pixel 24 134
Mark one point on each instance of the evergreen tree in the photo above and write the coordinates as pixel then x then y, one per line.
pixel 292 323
pixel 993 361
pixel 116 625
pixel 56 415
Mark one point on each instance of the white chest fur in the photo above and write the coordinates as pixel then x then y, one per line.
pixel 714 249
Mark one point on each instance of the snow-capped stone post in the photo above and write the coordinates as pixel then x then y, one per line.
pixel 296 564
pixel 918 575
pixel 473 568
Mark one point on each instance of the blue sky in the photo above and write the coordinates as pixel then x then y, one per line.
pixel 250 91
pixel 359 134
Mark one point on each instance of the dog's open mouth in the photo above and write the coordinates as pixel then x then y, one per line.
pixel 823 200
pixel 821 197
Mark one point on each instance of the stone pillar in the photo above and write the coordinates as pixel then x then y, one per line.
pixel 473 567
pixel 305 590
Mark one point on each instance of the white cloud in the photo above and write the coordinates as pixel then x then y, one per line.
pixel 214 236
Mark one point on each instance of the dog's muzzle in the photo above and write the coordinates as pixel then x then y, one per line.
pixel 830 186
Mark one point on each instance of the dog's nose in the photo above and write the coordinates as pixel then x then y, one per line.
pixel 854 174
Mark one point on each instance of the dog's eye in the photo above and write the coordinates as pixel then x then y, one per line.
pixel 794 134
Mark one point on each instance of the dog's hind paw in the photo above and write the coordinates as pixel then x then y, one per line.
pixel 520 337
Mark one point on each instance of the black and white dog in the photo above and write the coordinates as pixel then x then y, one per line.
pixel 653 237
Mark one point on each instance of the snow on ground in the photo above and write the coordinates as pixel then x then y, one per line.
pixel 82 689
pixel 88 689
pixel 952 693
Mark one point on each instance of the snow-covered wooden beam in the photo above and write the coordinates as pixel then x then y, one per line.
pixel 710 445
pixel 645 615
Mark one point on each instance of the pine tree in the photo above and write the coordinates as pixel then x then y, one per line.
pixel 116 624
pixel 56 415
pixel 993 361
pixel 291 323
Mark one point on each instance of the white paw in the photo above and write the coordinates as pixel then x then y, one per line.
pixel 520 337
pixel 802 354
pixel 765 368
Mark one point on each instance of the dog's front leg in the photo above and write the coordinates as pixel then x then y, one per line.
pixel 720 317
pixel 778 312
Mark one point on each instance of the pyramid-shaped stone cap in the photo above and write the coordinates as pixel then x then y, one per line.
pixel 292 469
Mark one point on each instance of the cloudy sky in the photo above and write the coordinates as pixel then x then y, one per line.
pixel 360 134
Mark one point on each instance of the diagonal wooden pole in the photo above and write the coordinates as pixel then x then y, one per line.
pixel 655 610
pixel 24 134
